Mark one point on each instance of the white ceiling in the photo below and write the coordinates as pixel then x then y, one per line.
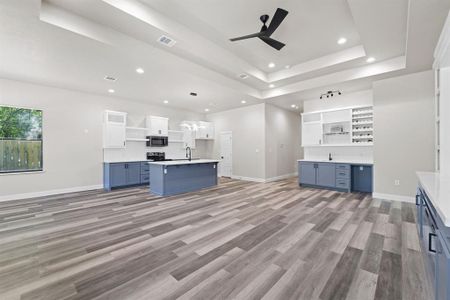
pixel 75 43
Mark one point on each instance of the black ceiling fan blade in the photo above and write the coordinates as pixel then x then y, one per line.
pixel 246 37
pixel 279 16
pixel 271 42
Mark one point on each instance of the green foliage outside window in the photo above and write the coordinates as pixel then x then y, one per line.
pixel 20 139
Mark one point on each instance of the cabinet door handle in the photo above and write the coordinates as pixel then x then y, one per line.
pixel 417 200
pixel 430 239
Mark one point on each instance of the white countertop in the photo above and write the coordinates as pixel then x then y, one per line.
pixel 183 162
pixel 341 161
pixel 438 191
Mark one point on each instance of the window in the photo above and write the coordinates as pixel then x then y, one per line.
pixel 20 139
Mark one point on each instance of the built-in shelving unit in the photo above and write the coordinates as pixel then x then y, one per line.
pixel 362 125
pixel 437 124
pixel 352 126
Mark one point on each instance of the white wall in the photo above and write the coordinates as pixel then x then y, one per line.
pixel 345 100
pixel 72 130
pixel 266 140
pixel 282 141
pixel 247 125
pixel 403 132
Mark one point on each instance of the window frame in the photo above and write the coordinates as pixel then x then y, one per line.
pixel 30 171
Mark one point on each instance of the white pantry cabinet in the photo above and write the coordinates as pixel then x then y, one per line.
pixel 205 131
pixel 157 126
pixel 114 129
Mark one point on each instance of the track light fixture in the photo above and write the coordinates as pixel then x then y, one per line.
pixel 330 94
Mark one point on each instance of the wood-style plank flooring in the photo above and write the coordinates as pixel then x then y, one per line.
pixel 239 240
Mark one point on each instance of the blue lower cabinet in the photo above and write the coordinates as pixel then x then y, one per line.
pixel 362 178
pixel 442 269
pixel 133 173
pixel 118 175
pixel 123 174
pixel 145 173
pixel 326 175
pixel 435 244
pixel 307 173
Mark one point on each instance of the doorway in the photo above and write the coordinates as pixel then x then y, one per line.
pixel 226 154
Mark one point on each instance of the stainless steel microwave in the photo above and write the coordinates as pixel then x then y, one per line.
pixel 157 141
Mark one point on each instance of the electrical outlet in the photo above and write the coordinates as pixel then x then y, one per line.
pixel 397 182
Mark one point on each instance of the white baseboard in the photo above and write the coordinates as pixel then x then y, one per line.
pixel 285 176
pixel 247 178
pixel 50 192
pixel 262 180
pixel 392 197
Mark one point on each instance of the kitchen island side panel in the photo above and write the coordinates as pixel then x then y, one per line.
pixel 183 178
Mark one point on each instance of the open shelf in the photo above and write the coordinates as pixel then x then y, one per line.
pixel 136 128
pixel 136 140
pixel 336 133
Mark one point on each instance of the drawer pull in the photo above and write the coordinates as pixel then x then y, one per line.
pixel 430 240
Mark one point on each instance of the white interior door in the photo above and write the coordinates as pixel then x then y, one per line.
pixel 226 154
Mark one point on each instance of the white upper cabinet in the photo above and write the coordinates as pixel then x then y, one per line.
pixel 157 126
pixel 114 129
pixel 311 129
pixel 205 131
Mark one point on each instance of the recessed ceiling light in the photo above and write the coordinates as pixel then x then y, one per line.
pixel 111 91
pixel 287 66
pixel 243 101
pixel 165 101
pixel 370 59
pixel 342 41
pixel 271 85
pixel 293 105
pixel 271 65
pixel 206 109
pixel 140 71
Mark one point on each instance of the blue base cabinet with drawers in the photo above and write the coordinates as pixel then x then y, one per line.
pixel 435 244
pixel 336 176
pixel 124 174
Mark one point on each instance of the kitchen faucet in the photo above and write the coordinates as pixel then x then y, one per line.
pixel 329 157
pixel 189 153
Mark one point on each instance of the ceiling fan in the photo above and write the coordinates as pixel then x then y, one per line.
pixel 265 32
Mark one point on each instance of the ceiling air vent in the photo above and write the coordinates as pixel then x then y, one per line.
pixel 166 41
pixel 110 78
pixel 243 76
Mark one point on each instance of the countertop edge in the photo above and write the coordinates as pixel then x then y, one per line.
pixel 175 163
pixel 337 161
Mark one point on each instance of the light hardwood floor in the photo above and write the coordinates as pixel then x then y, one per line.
pixel 240 240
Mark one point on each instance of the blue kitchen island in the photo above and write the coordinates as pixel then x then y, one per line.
pixel 181 176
